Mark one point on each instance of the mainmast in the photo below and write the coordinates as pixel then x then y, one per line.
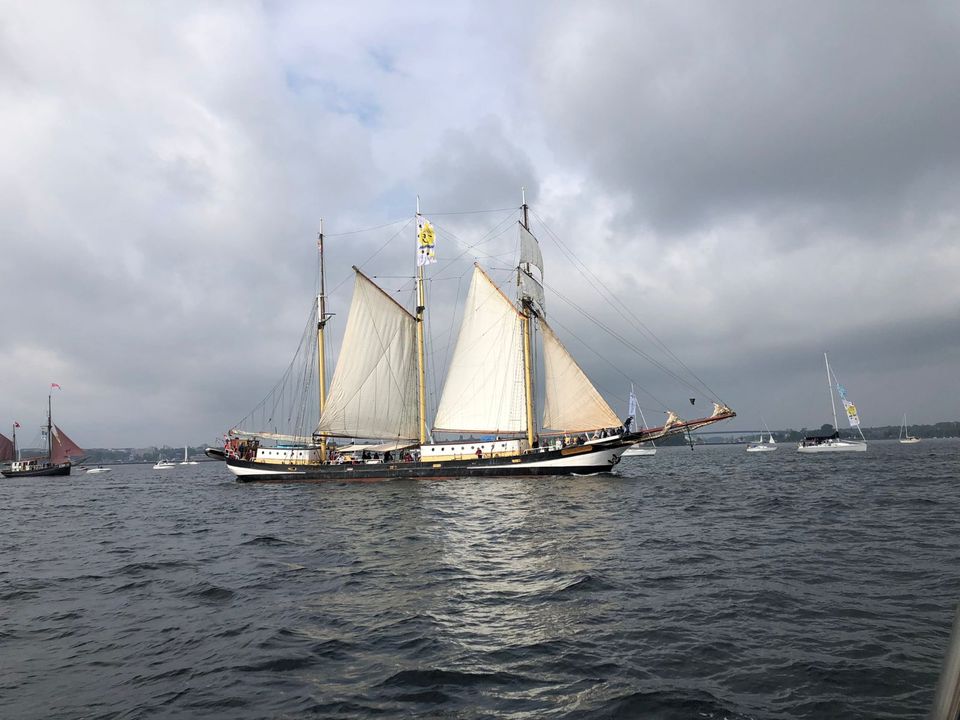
pixel 421 365
pixel 833 403
pixel 49 427
pixel 321 355
pixel 527 316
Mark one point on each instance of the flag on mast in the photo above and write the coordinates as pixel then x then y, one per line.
pixel 55 385
pixel 426 238
pixel 632 406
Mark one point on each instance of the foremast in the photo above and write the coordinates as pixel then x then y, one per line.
pixel 50 425
pixel 421 355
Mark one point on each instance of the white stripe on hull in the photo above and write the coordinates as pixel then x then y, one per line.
pixel 244 471
pixel 587 459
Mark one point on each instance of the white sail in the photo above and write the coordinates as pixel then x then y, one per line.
pixel 530 249
pixel 571 402
pixel 373 393
pixel 484 387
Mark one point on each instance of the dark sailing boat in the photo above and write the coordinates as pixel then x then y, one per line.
pixel 378 392
pixel 60 449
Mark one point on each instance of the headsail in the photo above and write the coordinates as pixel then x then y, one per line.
pixel 484 387
pixel 571 402
pixel 852 414
pixel 6 449
pixel 63 447
pixel 373 393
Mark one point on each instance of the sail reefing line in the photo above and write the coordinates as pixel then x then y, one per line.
pixel 373 392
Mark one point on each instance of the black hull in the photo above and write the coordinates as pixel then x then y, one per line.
pixel 215 454
pixel 51 471
pixel 578 460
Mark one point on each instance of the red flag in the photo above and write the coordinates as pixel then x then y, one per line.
pixel 56 385
pixel 16 424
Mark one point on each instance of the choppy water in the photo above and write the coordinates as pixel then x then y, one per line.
pixel 703 584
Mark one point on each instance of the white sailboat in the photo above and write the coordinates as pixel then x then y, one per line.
pixel 905 437
pixel 760 445
pixel 639 449
pixel 186 458
pixel 833 443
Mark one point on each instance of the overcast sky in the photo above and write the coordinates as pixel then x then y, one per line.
pixel 760 182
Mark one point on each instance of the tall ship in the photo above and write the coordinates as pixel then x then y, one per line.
pixel 60 450
pixel 373 422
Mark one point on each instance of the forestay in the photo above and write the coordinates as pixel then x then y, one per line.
pixel 373 393
pixel 571 402
pixel 484 387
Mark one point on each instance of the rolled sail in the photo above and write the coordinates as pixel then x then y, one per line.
pixel 373 393
pixel 571 402
pixel 484 387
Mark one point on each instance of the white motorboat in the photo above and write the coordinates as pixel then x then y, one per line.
pixel 164 465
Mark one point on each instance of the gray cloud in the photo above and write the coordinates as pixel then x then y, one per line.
pixel 758 182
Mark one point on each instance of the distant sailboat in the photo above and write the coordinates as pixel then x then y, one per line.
pixel 638 450
pixel 760 445
pixel 186 459
pixel 60 450
pixel 833 443
pixel 905 437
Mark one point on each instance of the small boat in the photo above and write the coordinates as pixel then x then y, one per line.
pixel 98 469
pixel 186 459
pixel 905 437
pixel 639 449
pixel 60 450
pixel 833 442
pixel 164 465
pixel 760 446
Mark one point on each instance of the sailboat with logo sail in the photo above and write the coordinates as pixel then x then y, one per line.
pixel 833 442
pixel 378 392
pixel 60 450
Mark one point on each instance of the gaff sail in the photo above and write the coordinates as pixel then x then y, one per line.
pixel 373 393
pixel 6 449
pixel 63 447
pixel 483 391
